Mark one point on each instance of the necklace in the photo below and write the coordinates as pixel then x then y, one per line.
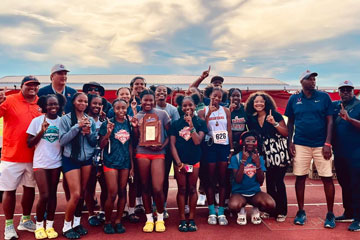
pixel 217 123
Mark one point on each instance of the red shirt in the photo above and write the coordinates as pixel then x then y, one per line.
pixel 17 113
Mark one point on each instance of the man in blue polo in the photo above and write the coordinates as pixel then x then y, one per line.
pixel 346 146
pixel 58 78
pixel 310 112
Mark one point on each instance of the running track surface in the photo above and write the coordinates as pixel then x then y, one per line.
pixel 315 207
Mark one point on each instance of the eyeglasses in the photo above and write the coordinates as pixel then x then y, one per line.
pixel 93 89
pixel 346 89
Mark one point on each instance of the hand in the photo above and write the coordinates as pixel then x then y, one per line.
pixel 270 119
pixel 292 150
pixel 181 170
pixel 245 155
pixel 212 108
pixel 133 104
pixel 188 119
pixel 134 122
pixel 205 73
pixel 44 125
pixel 102 114
pixel 82 122
pixel 131 173
pixel 109 127
pixel 256 158
pixel 232 105
pixel 229 157
pixel 326 151
pixel 343 113
pixel 2 95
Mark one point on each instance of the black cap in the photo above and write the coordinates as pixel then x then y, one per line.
pixel 216 78
pixel 86 87
pixel 29 79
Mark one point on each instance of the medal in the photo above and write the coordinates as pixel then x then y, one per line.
pixel 217 123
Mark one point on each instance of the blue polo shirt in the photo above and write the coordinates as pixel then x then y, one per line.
pixel 310 117
pixel 69 92
pixel 346 138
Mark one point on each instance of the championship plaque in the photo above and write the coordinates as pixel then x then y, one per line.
pixel 150 131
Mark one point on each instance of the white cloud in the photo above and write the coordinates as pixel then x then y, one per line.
pixel 24 34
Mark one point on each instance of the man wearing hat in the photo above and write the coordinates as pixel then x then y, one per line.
pixel 310 112
pixel 346 147
pixel 58 78
pixel 16 157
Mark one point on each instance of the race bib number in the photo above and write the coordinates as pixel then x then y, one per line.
pixel 220 137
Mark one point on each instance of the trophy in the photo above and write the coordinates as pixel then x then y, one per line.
pixel 150 131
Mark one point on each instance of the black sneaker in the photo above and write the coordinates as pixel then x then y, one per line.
pixel 71 234
pixel 108 228
pixel 343 218
pixel 94 221
pixel 119 228
pixel 81 230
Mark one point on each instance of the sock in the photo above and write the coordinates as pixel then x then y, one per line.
pixel 131 210
pixel 160 216
pixel 221 211
pixel 242 211
pixel 25 218
pixel 67 226
pixel 165 204
pixel 76 221
pixel 49 224
pixel 138 201
pixel 9 222
pixel 149 217
pixel 212 209
pixel 39 225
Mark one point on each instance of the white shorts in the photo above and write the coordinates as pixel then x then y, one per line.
pixel 302 161
pixel 13 174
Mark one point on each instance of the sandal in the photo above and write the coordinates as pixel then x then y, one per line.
pixel 108 228
pixel 119 228
pixel 192 226
pixel 255 218
pixel 51 233
pixel 40 233
pixel 183 226
pixel 81 230
pixel 149 227
pixel 160 226
pixel 133 218
pixel 71 234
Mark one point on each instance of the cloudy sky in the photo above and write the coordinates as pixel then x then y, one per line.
pixel 248 38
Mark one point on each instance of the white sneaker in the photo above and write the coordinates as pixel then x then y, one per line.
pixel 201 200
pixel 187 209
pixel 10 233
pixel 281 218
pixel 28 225
pixel 241 219
pixel 255 218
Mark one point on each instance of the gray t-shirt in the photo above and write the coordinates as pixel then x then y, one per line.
pixel 171 110
pixel 165 120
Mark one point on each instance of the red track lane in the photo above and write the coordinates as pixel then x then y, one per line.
pixel 269 229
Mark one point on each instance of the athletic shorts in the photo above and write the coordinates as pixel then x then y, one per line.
pixel 217 153
pixel 302 161
pixel 150 156
pixel 13 174
pixel 69 164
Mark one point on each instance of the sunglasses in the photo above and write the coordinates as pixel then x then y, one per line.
pixel 346 89
pixel 93 89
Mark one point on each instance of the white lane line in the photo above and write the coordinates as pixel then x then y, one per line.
pixel 198 207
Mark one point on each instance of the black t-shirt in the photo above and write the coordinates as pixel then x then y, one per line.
pixel 188 152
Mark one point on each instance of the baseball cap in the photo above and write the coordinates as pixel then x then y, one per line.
pixel 29 79
pixel 346 83
pixel 307 74
pixel 58 68
pixel 216 78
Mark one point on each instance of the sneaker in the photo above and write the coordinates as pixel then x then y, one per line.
pixel 265 215
pixel 139 209
pixel 108 228
pixel 187 209
pixel 255 218
pixel 212 219
pixel 344 218
pixel 355 226
pixel 222 220
pixel 330 220
pixel 119 228
pixel 10 233
pixel 166 214
pixel 28 225
pixel 94 221
pixel 300 218
pixel 201 200
pixel 281 218
pixel 241 219
pixel 101 217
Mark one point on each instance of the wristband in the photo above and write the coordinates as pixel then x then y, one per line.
pixel 328 144
pixel 232 150
pixel 258 168
pixel 192 130
pixel 276 124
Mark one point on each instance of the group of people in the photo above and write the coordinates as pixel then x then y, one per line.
pixel 131 143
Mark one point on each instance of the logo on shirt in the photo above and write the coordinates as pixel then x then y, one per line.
pixel 185 133
pixel 238 124
pixel 51 134
pixel 250 170
pixel 317 101
pixel 122 135
pixel 299 101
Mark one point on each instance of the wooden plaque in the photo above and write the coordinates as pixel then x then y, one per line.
pixel 150 131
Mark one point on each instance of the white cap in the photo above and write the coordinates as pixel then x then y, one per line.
pixel 58 68
pixel 307 74
pixel 346 83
